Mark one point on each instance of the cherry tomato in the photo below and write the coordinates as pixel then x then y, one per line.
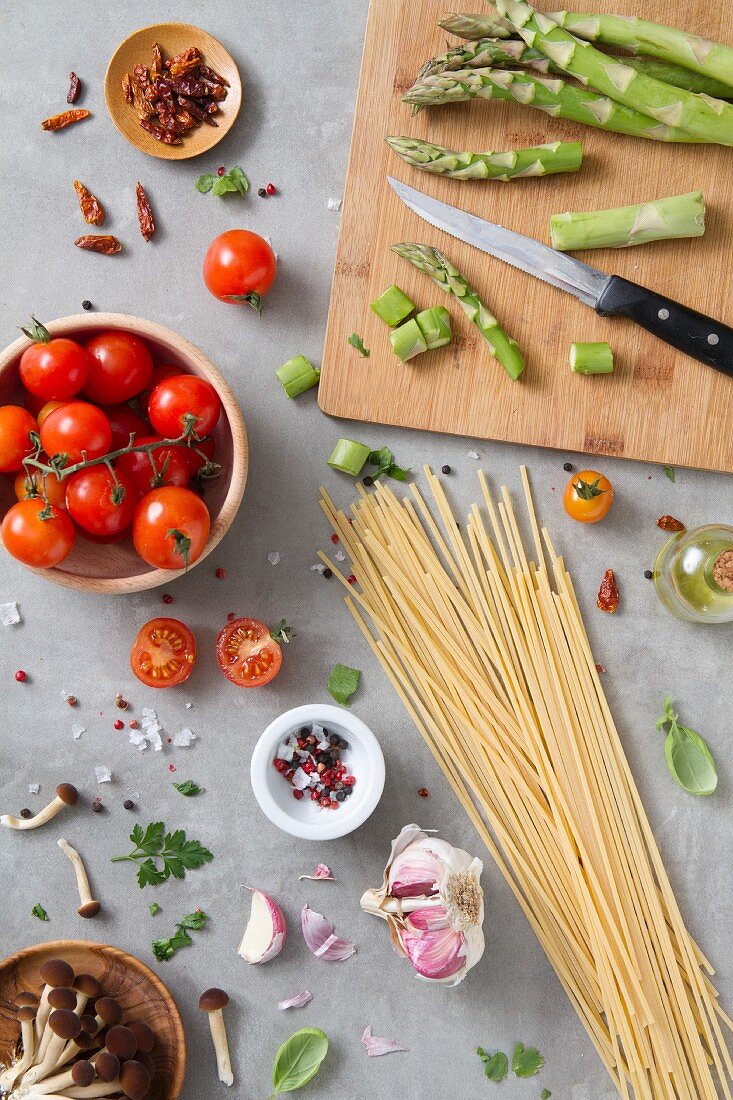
pixel 171 527
pixel 170 464
pixel 120 367
pixel 101 503
pixel 163 370
pixel 164 653
pixel 37 535
pixel 124 421
pixel 47 409
pixel 194 461
pixel 37 485
pixel 588 496
pixel 174 397
pixel 247 653
pixel 74 427
pixel 15 425
pixel 32 403
pixel 55 370
pixel 239 267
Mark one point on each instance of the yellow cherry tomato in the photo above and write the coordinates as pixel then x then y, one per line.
pixel 588 496
pixel 38 485
pixel 47 409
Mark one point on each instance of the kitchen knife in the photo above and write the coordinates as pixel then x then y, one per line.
pixel 691 332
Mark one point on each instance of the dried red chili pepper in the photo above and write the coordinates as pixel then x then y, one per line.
pixel 58 122
pixel 159 133
pixel 104 243
pixel 157 64
pixel 91 208
pixel 127 89
pixel 181 81
pixel 144 213
pixel 183 62
pixel 209 74
pixel 669 523
pixel 608 597
pixel 74 88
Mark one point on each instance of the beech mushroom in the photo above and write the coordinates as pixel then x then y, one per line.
pixel 89 906
pixel 107 1066
pixel 121 1041
pixel 135 1079
pixel 213 1001
pixel 54 972
pixel 26 1014
pixel 108 1012
pixel 63 1025
pixel 145 1035
pixel 66 795
pixel 88 988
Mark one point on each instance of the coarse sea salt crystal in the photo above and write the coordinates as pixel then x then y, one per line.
pixel 318 568
pixel 340 555
pixel 9 613
pixel 184 738
pixel 146 712
pixel 473 454
pixel 273 557
pixel 153 738
pixel 34 788
pixel 137 738
pixel 188 706
pixel 285 752
pixel 317 731
pixel 77 731
pixel 333 204
pixel 300 780
pixel 103 775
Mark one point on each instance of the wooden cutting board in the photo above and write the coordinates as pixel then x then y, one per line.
pixel 659 406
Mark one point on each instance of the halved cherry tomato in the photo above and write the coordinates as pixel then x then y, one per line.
pixel 15 425
pixel 37 485
pixel 171 527
pixel 124 421
pixel 247 653
pixel 74 427
pixel 588 496
pixel 239 267
pixel 174 397
pixel 55 370
pixel 101 503
pixel 171 467
pixel 47 409
pixel 120 367
pixel 161 371
pixel 164 653
pixel 37 535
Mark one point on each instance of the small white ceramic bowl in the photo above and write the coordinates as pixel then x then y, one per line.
pixel 302 818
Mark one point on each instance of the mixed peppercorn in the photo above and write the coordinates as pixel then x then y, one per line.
pixel 311 762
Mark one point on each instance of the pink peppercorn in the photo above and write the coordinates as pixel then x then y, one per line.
pixel 230 616
pixel 334 539
pixel 21 676
pixel 271 189
pixel 119 724
pixel 220 574
pixel 171 767
pixel 167 598
pixel 314 795
pixel 134 724
pixel 351 579
pixel 297 794
pixel 220 170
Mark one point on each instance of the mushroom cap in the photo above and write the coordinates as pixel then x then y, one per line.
pixel 107 1066
pixel 109 1010
pixel 146 1060
pixel 83 1073
pixel 26 999
pixel 67 793
pixel 26 1012
pixel 89 909
pixel 88 985
pixel 121 1041
pixel 135 1080
pixel 85 1040
pixel 62 997
pixel 212 999
pixel 64 1023
pixel 56 972
pixel 89 1023
pixel 145 1035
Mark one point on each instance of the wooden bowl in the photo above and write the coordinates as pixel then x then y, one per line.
pixel 172 38
pixel 140 992
pixel 115 568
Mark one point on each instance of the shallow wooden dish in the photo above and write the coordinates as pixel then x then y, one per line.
pixel 140 992
pixel 172 38
pixel 116 569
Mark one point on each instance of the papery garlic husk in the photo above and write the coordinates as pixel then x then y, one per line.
pixel 432 900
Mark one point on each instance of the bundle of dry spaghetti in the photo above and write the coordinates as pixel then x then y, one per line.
pixel 489 654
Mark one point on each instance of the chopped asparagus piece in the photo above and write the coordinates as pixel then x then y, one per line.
pixel 676 216
pixel 538 160
pixel 349 457
pixel 435 326
pixel 407 341
pixel 297 375
pixel 393 306
pixel 449 279
pixel 591 358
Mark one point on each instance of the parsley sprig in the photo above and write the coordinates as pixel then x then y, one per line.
pixel 166 949
pixel 160 855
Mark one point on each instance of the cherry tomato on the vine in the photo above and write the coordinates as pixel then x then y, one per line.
pixel 194 460
pixel 15 425
pixel 247 653
pixel 588 496
pixel 174 397
pixel 170 468
pixel 239 267
pixel 101 503
pixel 74 427
pixel 47 409
pixel 125 422
pixel 55 370
pixel 37 534
pixel 120 367
pixel 39 486
pixel 161 371
pixel 164 653
pixel 171 527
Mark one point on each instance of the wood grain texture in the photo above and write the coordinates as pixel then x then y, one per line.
pixel 116 569
pixel 173 38
pixel 140 992
pixel 659 406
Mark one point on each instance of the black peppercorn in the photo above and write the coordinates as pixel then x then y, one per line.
pixel 86 304
pixel 97 807
pixel 567 467
pixel 648 574
pixel 305 731
pixel 26 813
pixel 261 192
pixel 334 738
pixel 343 744
pixel 341 796
pixel 368 481
pixel 445 469
pixel 327 573
pixel 129 804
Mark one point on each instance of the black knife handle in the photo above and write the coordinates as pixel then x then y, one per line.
pixel 697 335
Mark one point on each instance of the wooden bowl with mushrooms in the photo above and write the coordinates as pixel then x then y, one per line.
pixel 89 1015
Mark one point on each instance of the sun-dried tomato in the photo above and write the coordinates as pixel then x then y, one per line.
pixel 144 213
pixel 159 133
pixel 74 88
pixel 104 243
pixel 91 208
pixel 58 122
pixel 608 597
pixel 669 523
pixel 127 89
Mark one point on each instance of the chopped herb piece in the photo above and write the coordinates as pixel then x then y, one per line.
pixel 39 911
pixel 545 1094
pixel 154 909
pixel 689 760
pixel 343 682
pixel 526 1062
pixel 166 949
pixel 356 342
pixel 282 633
pixel 496 1066
pixel 175 854
pixel 188 788
pixel 669 472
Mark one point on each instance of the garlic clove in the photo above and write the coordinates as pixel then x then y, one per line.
pixel 320 939
pixel 415 872
pixel 437 955
pixel 264 936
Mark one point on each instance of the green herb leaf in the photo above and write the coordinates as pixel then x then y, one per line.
pixel 205 183
pixel 39 911
pixel 545 1094
pixel 221 185
pixel 282 633
pixel 496 1066
pixel 35 331
pixel 240 181
pixel 188 788
pixel 154 909
pixel 669 472
pixel 525 1063
pixel 397 472
pixel 299 1059
pixel 343 682
pixel 689 760
pixel 356 342
pixel 173 850
pixel 166 949
pixel 381 458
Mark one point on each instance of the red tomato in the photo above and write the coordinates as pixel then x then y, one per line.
pixel 163 654
pixel 171 467
pixel 75 427
pixel 173 398
pixel 239 267
pixel 120 367
pixel 37 485
pixel 247 653
pixel 37 540
pixel 100 504
pixel 32 403
pixel 171 527
pixel 55 370
pixel 47 409
pixel 164 370
pixel 15 425
pixel 124 421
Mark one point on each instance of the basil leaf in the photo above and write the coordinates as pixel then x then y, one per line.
pixel 220 186
pixel 496 1066
pixel 525 1063
pixel 381 458
pixel 205 183
pixel 689 760
pixel 240 181
pixel 299 1059
pixel 343 682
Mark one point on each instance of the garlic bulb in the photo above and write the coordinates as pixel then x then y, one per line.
pixel 432 900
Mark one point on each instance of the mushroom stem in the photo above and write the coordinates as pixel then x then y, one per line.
pixel 51 1084
pixel 89 906
pixel 60 1030
pixel 72 1049
pixel 99 1088
pixel 44 1011
pixel 221 1046
pixel 13 1072
pixel 66 795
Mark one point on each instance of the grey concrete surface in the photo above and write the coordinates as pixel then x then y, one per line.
pixel 300 66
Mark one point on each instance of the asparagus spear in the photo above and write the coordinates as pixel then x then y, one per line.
pixel 676 216
pixel 449 279
pixel 477 26
pixel 709 119
pixel 538 160
pixel 554 96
